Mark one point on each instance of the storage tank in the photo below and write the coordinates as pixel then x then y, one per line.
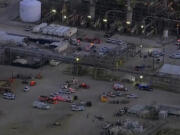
pixel 30 10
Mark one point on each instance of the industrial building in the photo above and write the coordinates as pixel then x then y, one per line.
pixel 136 17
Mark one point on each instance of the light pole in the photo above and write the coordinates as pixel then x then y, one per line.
pixel 141 77
pixel 177 27
pixel 153 63
pixel 141 47
pixel 105 21
pixel 64 18
pixel 77 60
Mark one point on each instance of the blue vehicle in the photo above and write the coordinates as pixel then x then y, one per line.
pixel 145 87
pixel 103 50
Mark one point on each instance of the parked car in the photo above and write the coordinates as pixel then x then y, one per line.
pixel 103 50
pixel 119 87
pixel 9 96
pixel 65 91
pixel 121 112
pixel 114 94
pixel 26 88
pixel 175 56
pixel 111 94
pixel 144 86
pixel 119 94
pixel 156 54
pixel 72 90
pixel 132 96
pixel 41 105
pixel 63 98
pixel 51 100
pixel 75 107
pixel 84 85
pixel 43 98
pixel 54 62
pixel 108 34
pixel 158 60
pixel 139 68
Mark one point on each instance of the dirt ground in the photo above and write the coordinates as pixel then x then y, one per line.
pixel 19 117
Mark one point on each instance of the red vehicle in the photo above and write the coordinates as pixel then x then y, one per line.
pixel 84 85
pixel 47 99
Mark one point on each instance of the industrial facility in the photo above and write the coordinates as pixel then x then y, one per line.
pixel 92 67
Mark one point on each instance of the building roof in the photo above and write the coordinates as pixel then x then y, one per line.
pixel 170 69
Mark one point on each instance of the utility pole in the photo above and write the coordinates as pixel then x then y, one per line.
pixel 177 27
pixel 163 53
pixel 153 64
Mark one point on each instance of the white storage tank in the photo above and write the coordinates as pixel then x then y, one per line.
pixel 30 10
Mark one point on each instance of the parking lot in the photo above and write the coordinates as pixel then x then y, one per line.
pixel 19 117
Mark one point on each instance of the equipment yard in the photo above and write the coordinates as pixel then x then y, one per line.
pixel 19 116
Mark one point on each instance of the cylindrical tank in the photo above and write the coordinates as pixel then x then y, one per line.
pixel 30 10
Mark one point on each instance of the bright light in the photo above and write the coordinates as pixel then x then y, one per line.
pixel 89 17
pixel 105 20
pixel 53 11
pixel 141 46
pixel 77 59
pixel 141 76
pixel 128 22
pixel 142 26
pixel 65 17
